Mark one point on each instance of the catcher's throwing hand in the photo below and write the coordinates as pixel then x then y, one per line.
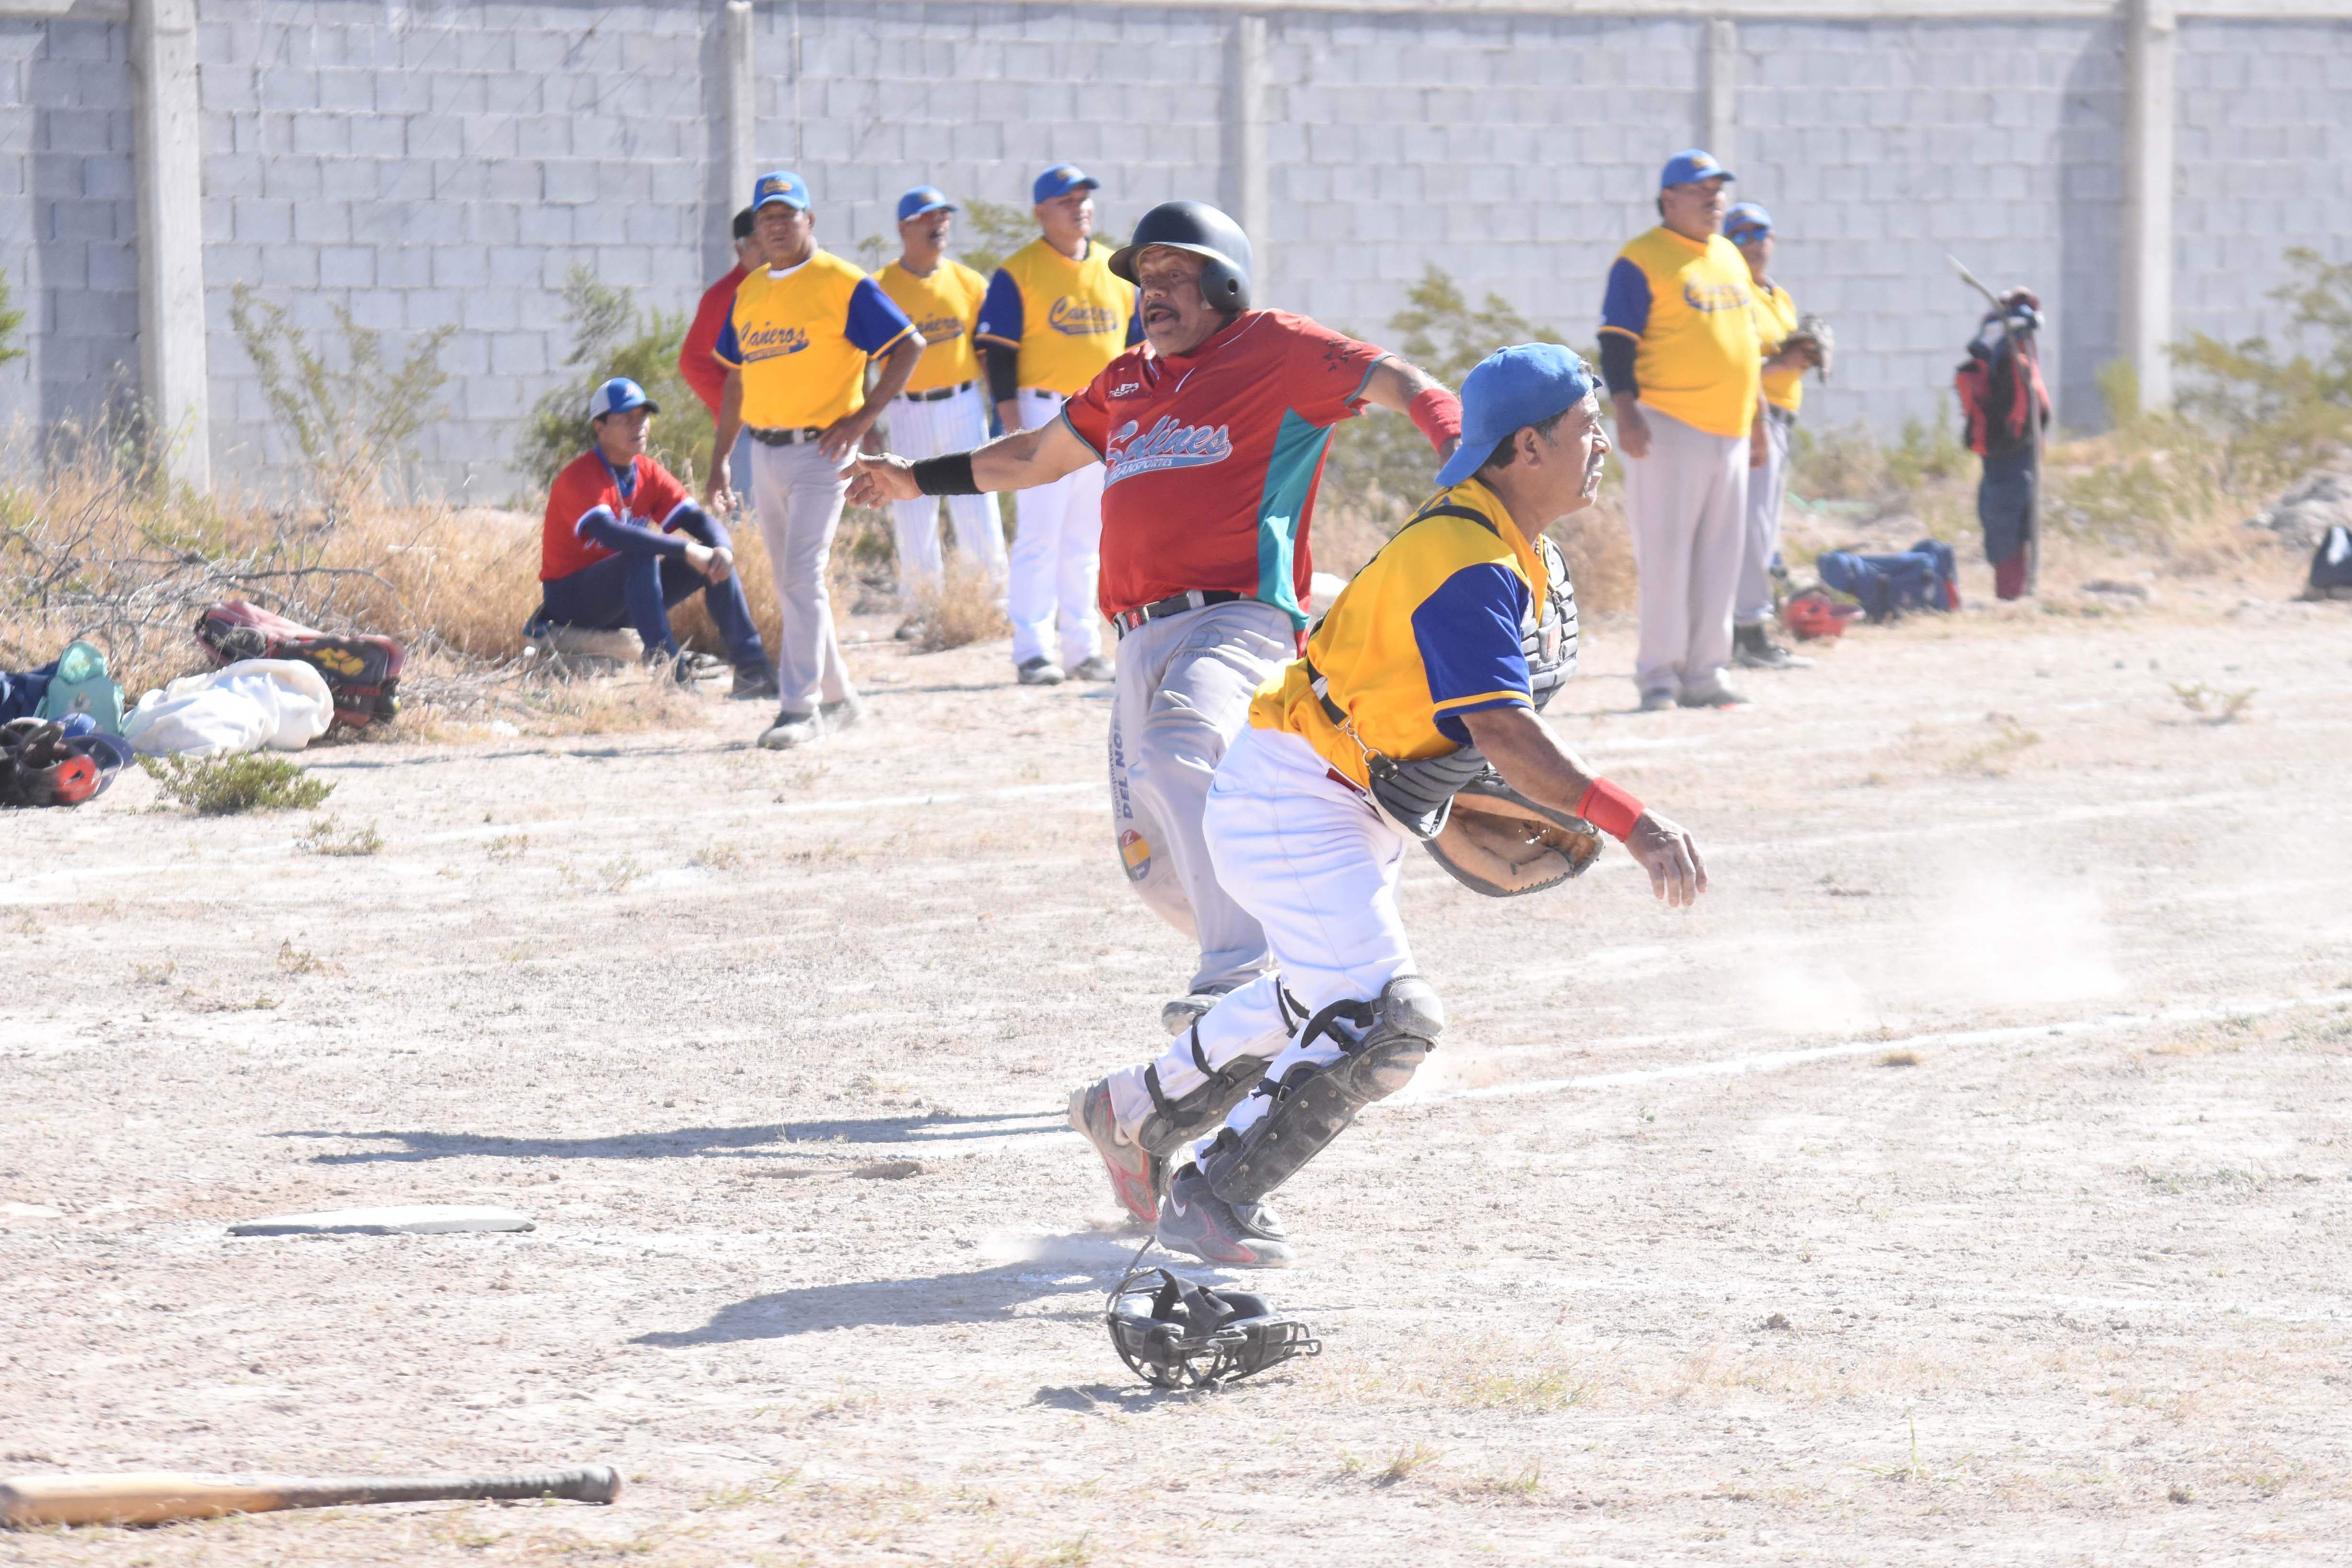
pixel 884 478
pixel 1677 873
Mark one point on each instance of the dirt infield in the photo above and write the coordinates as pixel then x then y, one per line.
pixel 1964 1181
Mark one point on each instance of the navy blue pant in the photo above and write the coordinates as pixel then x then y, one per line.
pixel 638 590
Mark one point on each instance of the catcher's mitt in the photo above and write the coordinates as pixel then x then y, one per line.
pixel 1814 336
pixel 1497 841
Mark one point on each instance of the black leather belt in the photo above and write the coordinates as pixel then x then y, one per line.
pixel 1174 604
pixel 937 395
pixel 782 437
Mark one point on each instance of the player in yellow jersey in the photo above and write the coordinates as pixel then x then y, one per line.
pixel 940 411
pixel 1054 316
pixel 1679 349
pixel 1419 676
pixel 796 346
pixel 1749 227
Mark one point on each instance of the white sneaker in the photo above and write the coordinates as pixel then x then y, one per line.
pixel 791 730
pixel 841 715
pixel 1040 671
pixel 1715 693
pixel 1096 668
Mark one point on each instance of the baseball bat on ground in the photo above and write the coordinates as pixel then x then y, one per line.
pixel 156 1497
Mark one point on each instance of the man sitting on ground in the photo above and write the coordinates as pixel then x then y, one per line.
pixel 623 542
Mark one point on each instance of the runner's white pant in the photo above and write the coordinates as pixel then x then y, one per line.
pixel 1685 503
pixel 1318 864
pixel 921 430
pixel 1056 553
pixel 1184 688
pixel 797 492
pixel 1760 538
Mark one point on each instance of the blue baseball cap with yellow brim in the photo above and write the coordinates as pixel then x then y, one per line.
pixel 1691 166
pixel 1509 390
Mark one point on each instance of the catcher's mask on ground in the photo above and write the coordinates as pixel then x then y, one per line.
pixel 1174 1334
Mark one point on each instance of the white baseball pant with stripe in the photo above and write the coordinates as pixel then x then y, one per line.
pixel 1318 864
pixel 921 430
pixel 1056 552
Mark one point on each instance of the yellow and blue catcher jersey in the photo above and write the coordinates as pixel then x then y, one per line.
pixel 1431 628
pixel 1688 306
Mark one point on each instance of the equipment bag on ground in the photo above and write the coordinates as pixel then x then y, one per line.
pixel 1925 577
pixel 2331 565
pixel 362 671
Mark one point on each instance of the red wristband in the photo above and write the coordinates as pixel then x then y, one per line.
pixel 1609 807
pixel 1438 412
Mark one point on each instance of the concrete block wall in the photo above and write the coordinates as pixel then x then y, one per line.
pixel 440 163
pixel 422 162
pixel 67 230
pixel 2263 141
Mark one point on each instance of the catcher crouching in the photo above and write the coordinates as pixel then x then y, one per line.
pixel 1413 715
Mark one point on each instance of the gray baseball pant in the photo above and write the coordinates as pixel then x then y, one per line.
pixel 797 492
pixel 1685 503
pixel 1184 692
pixel 1760 540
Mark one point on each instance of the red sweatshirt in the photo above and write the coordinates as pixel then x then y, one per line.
pixel 706 375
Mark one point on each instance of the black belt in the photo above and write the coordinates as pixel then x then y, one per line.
pixel 937 395
pixel 782 437
pixel 1174 604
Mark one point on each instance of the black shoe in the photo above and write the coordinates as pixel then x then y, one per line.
pixel 1752 648
pixel 754 684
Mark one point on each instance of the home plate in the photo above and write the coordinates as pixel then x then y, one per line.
pixel 411 1219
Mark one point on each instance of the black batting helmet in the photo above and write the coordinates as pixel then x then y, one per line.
pixel 1208 234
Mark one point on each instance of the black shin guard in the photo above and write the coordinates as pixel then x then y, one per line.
pixel 1312 1105
pixel 1178 1120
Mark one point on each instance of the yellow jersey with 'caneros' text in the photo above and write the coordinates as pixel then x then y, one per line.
pixel 944 307
pixel 1689 308
pixel 1429 630
pixel 1776 317
pixel 800 339
pixel 1067 319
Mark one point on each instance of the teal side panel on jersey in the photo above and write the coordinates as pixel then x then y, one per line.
pixel 1299 449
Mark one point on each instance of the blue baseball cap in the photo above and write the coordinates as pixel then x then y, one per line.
pixel 1691 165
pixel 619 395
pixel 1060 181
pixel 1745 219
pixel 923 199
pixel 1509 390
pixel 784 186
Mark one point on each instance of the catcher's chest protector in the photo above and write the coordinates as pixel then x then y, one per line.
pixel 1548 631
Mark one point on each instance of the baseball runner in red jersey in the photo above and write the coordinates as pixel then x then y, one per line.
pixel 1211 436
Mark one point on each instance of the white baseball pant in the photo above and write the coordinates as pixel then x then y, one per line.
pixel 797 494
pixel 1057 551
pixel 1184 688
pixel 921 430
pixel 1686 504
pixel 1318 865
pixel 1760 538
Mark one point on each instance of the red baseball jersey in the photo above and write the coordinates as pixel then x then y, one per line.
pixel 588 482
pixel 1212 458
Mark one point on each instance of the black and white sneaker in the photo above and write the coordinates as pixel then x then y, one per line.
pixel 1752 648
pixel 1238 1234
pixel 754 684
pixel 1040 671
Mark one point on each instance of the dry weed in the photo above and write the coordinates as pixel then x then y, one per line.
pixel 966 605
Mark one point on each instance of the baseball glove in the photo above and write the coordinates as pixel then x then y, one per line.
pixel 1497 841
pixel 1814 336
